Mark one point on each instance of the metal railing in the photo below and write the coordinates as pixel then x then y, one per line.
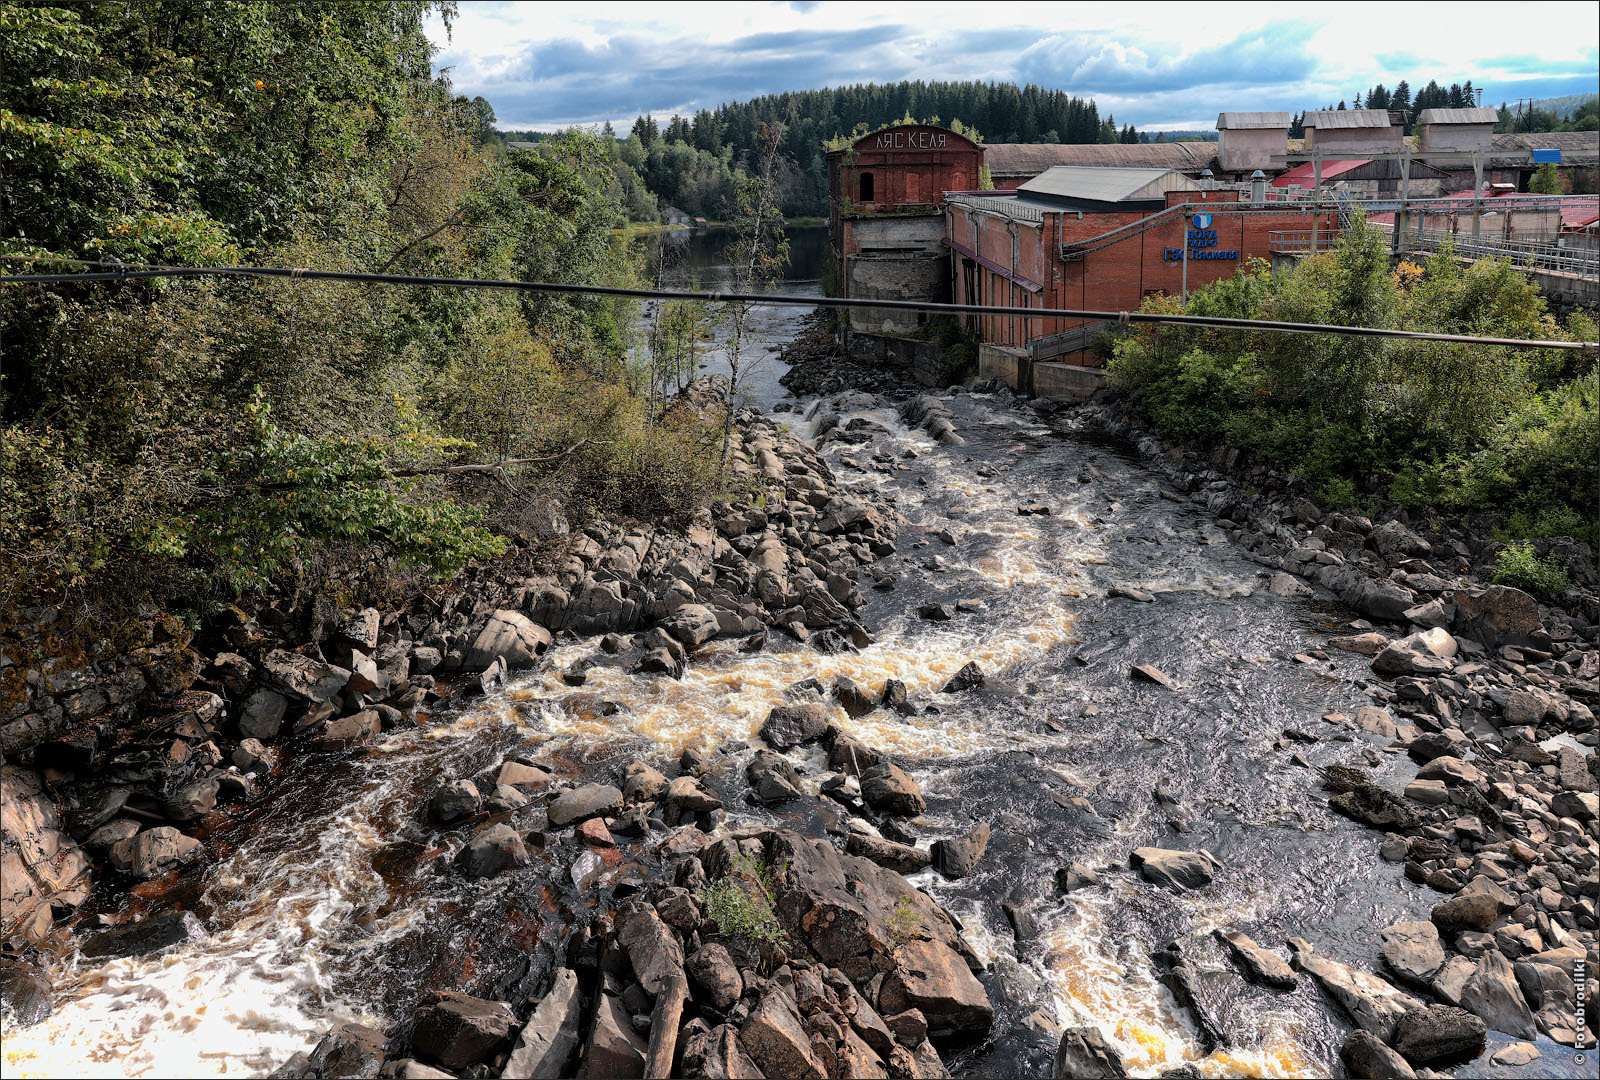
pixel 1542 255
pixel 1299 241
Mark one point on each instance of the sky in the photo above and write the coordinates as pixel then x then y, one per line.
pixel 1155 65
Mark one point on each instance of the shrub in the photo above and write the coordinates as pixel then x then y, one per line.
pixel 1519 567
pixel 740 902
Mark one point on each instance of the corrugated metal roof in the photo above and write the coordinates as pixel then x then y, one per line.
pixel 1240 121
pixel 1031 159
pixel 1325 119
pixel 1306 175
pixel 1107 185
pixel 1484 115
pixel 1577 147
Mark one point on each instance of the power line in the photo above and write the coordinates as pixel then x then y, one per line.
pixel 560 288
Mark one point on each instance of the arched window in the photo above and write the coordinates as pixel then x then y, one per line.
pixel 866 187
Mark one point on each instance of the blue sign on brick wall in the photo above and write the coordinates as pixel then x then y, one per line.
pixel 1202 240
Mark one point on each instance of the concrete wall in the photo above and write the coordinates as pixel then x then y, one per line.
pixel 1066 382
pixel 1010 365
pixel 1354 142
pixel 1455 137
pixel 895 258
pixel 1247 149
pixel 922 359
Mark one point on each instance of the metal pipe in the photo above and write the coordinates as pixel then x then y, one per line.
pixel 561 288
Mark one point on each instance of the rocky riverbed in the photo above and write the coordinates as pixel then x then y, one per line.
pixel 981 737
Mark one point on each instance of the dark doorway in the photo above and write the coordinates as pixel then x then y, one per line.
pixel 866 188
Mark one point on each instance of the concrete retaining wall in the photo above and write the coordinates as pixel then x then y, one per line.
pixel 1066 382
pixel 922 359
pixel 1009 365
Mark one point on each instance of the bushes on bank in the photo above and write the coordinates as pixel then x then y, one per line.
pixel 195 438
pixel 1462 427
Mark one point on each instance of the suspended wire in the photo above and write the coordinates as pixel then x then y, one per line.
pixel 143 272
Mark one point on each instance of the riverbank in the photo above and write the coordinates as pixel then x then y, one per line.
pixel 1129 757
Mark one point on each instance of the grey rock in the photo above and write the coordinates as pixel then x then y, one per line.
pixel 1260 965
pixel 1439 1033
pixel 456 800
pixel 146 936
pixel 792 725
pixel 581 803
pixel 1364 1055
pixel 492 851
pixel 1413 950
pixel 956 858
pixel 890 789
pixel 458 1030
pixel 153 852
pixel 1492 994
pixel 550 1038
pixel 509 634
pixel 1083 1054
pixel 261 716
pixel 1176 869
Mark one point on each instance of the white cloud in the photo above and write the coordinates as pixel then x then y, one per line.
pixel 1157 64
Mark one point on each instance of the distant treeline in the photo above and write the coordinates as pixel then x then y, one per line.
pixel 691 161
pixel 1582 114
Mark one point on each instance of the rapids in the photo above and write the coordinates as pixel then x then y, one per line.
pixel 332 900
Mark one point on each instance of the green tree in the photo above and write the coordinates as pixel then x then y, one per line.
pixel 1547 180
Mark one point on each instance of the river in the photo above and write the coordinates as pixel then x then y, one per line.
pixel 332 900
pixel 697 259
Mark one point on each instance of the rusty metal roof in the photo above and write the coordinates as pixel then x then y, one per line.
pixel 1031 159
pixel 1325 119
pixel 1240 121
pixel 1484 115
pixel 1577 147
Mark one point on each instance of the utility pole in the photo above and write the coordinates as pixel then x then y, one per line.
pixel 1184 239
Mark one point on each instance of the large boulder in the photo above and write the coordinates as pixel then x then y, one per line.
pixel 888 788
pixel 550 1037
pixel 691 625
pixel 301 677
pixel 791 725
pixel 495 849
pixel 775 1038
pixel 458 1030
pixel 1379 599
pixel 1473 911
pixel 582 803
pixel 956 858
pixel 1413 950
pixel 510 634
pixel 1084 1055
pixel 1492 994
pixel 1439 1033
pixel 456 800
pixel 1365 1056
pixel 714 975
pixel 1260 965
pixel 1175 869
pixel 901 858
pixel 615 1049
pixel 931 977
pixel 1375 1005
pixel 1427 652
pixel 261 715
pixel 145 936
pixel 650 944
pixel 153 852
pixel 772 777
pixel 1497 615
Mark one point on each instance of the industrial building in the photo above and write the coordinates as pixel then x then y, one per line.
pixel 1104 227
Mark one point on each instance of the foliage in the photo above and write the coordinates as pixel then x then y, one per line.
pixel 741 902
pixel 190 437
pixel 1452 425
pixel 905 924
pixel 1547 180
pixel 1519 567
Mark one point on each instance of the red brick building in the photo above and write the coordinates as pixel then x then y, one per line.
pixel 886 217
pixel 1103 240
